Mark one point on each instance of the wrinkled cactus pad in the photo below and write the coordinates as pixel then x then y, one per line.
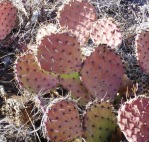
pixel 105 31
pixel 102 73
pixel 60 53
pixel 8 15
pixel 62 121
pixel 142 49
pixel 99 122
pixel 73 83
pixel 77 16
pixel 133 119
pixel 31 77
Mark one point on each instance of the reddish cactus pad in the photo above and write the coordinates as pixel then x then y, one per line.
pixel 62 122
pixel 106 31
pixel 133 119
pixel 31 77
pixel 78 16
pixel 142 49
pixel 102 73
pixel 60 53
pixel 8 15
pixel 73 83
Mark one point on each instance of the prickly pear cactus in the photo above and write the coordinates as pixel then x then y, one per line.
pixel 133 119
pixel 77 16
pixel 73 83
pixel 60 53
pixel 142 49
pixel 99 122
pixel 102 73
pixel 8 15
pixel 62 121
pixel 31 77
pixel 106 31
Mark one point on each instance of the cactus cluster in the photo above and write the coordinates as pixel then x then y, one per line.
pixel 93 83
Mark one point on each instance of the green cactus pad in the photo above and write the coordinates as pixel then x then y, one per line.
pixel 102 73
pixel 106 31
pixel 142 49
pixel 99 122
pixel 73 83
pixel 62 121
pixel 77 17
pixel 8 15
pixel 133 119
pixel 60 53
pixel 31 77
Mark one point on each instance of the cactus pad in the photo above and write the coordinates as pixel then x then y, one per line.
pixel 62 122
pixel 99 122
pixel 60 53
pixel 106 31
pixel 73 83
pixel 133 119
pixel 142 49
pixel 102 73
pixel 8 15
pixel 31 77
pixel 78 16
